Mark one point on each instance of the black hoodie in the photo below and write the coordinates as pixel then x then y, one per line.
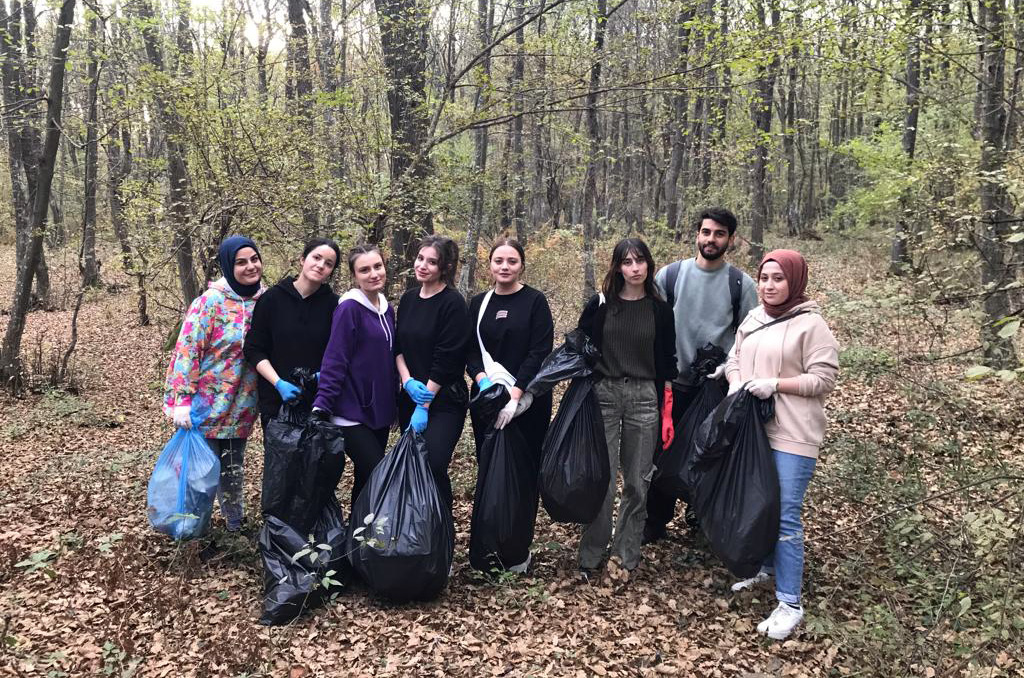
pixel 290 332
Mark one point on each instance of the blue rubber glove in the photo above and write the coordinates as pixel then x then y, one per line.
pixel 485 384
pixel 418 391
pixel 288 390
pixel 418 421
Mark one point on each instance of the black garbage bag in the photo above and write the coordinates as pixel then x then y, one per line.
pixel 672 476
pixel 505 502
pixel 574 470
pixel 575 358
pixel 402 541
pixel 301 571
pixel 735 484
pixel 281 441
pixel 316 468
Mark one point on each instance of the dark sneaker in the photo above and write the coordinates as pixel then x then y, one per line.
pixel 653 533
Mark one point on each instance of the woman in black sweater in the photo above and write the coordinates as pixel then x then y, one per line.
pixel 291 324
pixel 517 331
pixel 635 330
pixel 430 354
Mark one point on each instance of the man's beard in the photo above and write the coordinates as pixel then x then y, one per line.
pixel 716 252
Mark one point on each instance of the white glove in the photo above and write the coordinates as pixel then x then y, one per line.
pixel 718 373
pixel 182 416
pixel 762 388
pixel 524 404
pixel 507 414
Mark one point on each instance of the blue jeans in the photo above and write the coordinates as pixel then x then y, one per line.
pixel 788 558
pixel 231 452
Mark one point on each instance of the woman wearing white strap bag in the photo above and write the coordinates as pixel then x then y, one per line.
pixel 514 333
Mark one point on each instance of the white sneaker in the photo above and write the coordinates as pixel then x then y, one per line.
pixel 522 567
pixel 745 584
pixel 781 622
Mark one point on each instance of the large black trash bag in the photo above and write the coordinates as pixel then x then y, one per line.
pixel 574 470
pixel 317 467
pixel 735 484
pixel 281 441
pixel 575 358
pixel 406 539
pixel 505 502
pixel 292 585
pixel 672 476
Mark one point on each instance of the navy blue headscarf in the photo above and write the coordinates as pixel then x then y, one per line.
pixel 226 258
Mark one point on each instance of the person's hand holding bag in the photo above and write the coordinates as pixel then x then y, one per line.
pixel 182 416
pixel 287 390
pixel 762 388
pixel 418 421
pixel 668 429
pixel 507 413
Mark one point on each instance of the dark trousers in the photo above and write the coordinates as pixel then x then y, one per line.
pixel 661 507
pixel 445 421
pixel 365 447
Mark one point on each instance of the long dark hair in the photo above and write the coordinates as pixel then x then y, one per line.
pixel 320 242
pixel 447 255
pixel 613 280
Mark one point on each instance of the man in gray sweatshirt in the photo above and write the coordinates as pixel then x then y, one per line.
pixel 710 298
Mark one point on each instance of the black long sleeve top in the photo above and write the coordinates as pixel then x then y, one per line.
pixel 290 332
pixel 431 335
pixel 517 330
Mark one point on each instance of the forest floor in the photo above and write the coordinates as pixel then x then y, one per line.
pixel 913 525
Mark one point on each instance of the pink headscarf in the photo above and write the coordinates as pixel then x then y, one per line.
pixel 794 267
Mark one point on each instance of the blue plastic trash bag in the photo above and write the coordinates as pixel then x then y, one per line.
pixel 184 484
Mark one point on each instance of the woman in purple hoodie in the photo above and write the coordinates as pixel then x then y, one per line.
pixel 358 380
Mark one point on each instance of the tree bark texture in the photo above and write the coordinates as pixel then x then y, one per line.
pixel 10 353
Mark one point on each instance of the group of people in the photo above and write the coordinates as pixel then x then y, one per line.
pixel 239 342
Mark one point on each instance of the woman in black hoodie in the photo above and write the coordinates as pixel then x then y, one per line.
pixel 291 325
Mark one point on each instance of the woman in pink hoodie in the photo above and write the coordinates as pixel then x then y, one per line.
pixel 785 349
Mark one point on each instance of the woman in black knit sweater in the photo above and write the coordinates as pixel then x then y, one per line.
pixel 626 321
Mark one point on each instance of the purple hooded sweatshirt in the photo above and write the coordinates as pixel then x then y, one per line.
pixel 358 378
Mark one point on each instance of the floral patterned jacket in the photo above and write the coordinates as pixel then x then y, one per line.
pixel 207 363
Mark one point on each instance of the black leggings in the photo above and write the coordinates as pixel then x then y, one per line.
pixel 365 447
pixel 444 428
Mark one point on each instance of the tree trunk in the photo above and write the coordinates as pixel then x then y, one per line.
pixel 900 258
pixel 467 277
pixel 761 114
pixel 403 35
pixel 789 138
pixel 19 90
pixel 10 354
pixel 996 272
pixel 90 266
pixel 680 107
pixel 593 141
pixel 177 167
pixel 518 106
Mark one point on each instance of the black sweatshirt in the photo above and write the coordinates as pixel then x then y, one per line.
pixel 517 330
pixel 431 335
pixel 290 332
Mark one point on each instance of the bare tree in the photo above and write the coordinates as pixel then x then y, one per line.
pixel 10 353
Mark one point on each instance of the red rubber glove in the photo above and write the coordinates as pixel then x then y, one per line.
pixel 668 431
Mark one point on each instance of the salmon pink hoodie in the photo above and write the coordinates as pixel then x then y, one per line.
pixel 802 347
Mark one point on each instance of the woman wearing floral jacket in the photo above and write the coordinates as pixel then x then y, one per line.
pixel 208 373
